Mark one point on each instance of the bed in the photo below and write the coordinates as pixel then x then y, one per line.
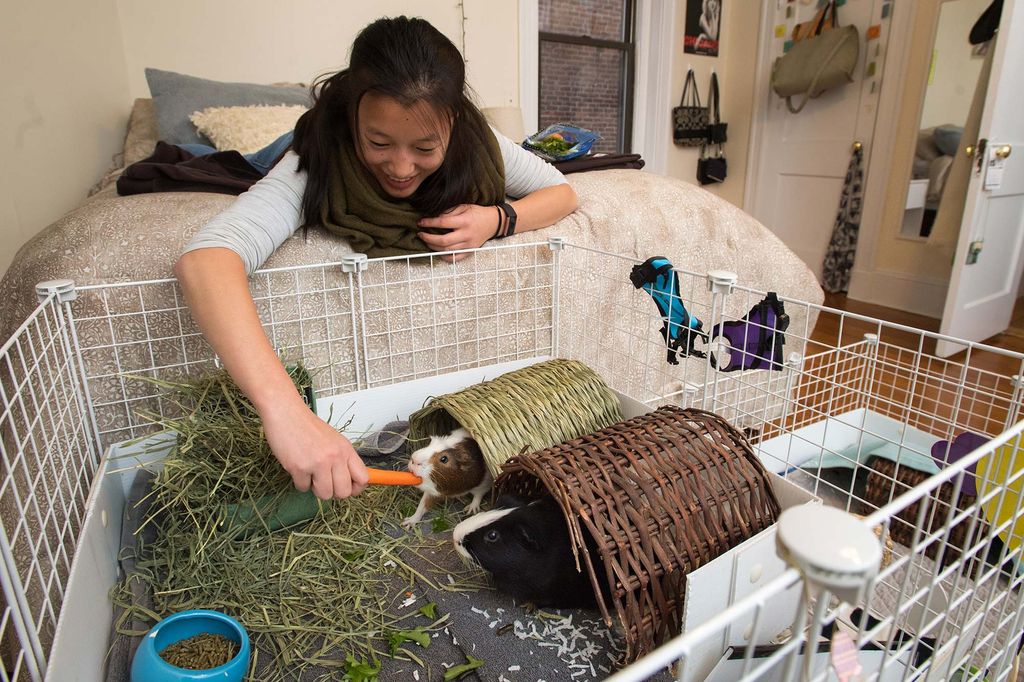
pixel 110 238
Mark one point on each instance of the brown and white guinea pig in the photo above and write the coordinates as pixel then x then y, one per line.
pixel 450 466
pixel 526 548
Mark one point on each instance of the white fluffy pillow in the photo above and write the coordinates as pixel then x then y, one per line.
pixel 246 129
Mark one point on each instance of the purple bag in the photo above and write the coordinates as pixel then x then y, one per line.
pixel 945 453
pixel 756 339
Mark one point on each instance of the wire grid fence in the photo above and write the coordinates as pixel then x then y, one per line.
pixel 920 622
pixel 68 392
pixel 132 334
pixel 83 373
pixel 423 316
pixel 604 321
pixel 950 598
pixel 49 458
pixel 860 393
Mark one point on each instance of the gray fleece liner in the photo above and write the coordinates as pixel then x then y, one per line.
pixel 515 645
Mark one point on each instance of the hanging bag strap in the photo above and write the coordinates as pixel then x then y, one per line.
pixel 831 6
pixel 690 88
pixel 817 24
pixel 714 115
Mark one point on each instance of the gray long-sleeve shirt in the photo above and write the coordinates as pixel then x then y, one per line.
pixel 271 210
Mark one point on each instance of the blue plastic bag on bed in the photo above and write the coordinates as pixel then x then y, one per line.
pixel 561 141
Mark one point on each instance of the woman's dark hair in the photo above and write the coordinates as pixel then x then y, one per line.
pixel 410 61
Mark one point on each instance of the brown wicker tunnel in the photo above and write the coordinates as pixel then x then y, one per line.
pixel 661 494
pixel 887 480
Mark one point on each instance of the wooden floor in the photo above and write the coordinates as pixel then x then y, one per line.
pixel 928 393
pixel 827 329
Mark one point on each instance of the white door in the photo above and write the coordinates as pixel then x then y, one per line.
pixel 983 284
pixel 801 159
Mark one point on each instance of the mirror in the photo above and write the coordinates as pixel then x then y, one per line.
pixel 952 77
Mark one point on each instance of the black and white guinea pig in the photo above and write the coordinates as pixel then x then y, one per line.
pixel 527 549
pixel 450 466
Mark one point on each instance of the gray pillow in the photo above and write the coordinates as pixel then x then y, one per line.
pixel 947 138
pixel 176 96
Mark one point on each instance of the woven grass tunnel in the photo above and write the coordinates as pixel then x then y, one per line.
pixel 661 494
pixel 528 409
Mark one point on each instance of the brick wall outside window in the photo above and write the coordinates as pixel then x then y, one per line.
pixel 583 84
pixel 594 18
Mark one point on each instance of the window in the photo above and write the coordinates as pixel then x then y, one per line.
pixel 586 67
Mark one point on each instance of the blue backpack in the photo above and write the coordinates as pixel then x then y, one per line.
pixel 680 329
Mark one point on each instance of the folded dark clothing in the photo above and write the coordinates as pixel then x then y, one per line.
pixel 172 169
pixel 592 162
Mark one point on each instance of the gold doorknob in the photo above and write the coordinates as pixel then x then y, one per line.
pixel 969 150
pixel 1003 150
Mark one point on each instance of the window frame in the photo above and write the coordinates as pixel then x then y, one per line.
pixel 627 46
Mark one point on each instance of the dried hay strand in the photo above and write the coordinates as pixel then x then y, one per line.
pixel 325 595
pixel 523 410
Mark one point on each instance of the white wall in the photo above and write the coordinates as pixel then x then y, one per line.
pixel 736 68
pixel 955 70
pixel 71 70
pixel 265 41
pixel 65 106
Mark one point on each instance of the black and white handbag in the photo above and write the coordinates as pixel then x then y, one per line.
pixel 690 119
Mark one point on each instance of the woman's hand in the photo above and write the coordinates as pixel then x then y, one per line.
pixel 310 450
pixel 470 226
pixel 313 452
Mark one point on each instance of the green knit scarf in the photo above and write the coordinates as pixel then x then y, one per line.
pixel 377 225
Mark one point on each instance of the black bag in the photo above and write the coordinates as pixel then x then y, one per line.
pixel 690 119
pixel 711 169
pixel 716 129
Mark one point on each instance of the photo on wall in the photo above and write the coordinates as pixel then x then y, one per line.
pixel 703 21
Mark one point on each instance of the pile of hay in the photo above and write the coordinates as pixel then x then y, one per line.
pixel 331 593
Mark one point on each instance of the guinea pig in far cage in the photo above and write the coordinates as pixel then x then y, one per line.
pixel 837 402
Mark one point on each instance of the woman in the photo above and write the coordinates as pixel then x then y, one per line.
pixel 393 156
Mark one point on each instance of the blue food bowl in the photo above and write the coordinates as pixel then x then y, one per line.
pixel 149 666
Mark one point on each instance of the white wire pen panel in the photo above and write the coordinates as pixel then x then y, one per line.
pixel 851 408
pixel 49 458
pixel 425 315
pixel 928 449
pixel 130 334
pixel 918 619
pixel 605 321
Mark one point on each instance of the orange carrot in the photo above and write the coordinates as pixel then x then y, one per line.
pixel 385 477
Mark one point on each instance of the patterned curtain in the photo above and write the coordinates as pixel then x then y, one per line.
pixel 839 256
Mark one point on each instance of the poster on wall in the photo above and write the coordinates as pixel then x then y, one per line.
pixel 703 20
